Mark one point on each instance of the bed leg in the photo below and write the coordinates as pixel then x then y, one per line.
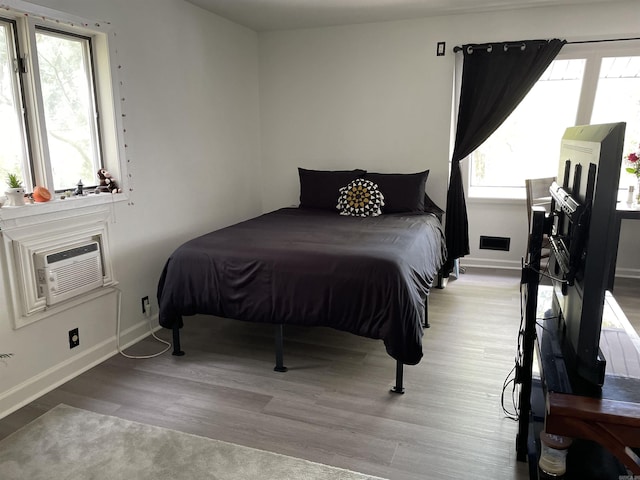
pixel 425 322
pixel 176 342
pixel 398 388
pixel 279 348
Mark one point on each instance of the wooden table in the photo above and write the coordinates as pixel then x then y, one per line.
pixel 613 424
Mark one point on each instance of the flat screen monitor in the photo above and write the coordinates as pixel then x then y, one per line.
pixel 583 210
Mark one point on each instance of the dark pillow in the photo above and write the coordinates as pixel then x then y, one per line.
pixel 431 207
pixel 361 198
pixel 403 192
pixel 320 188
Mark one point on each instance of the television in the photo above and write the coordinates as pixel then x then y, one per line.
pixel 582 240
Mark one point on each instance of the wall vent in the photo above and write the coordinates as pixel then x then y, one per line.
pixel 494 243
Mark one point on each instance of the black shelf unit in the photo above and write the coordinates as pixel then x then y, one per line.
pixel 586 460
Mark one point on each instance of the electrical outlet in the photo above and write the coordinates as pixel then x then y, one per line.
pixel 74 338
pixel 146 306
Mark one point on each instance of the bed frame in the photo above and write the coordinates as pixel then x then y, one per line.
pixel 279 340
pixel 422 315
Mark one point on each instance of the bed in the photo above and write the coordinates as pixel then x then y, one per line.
pixel 367 275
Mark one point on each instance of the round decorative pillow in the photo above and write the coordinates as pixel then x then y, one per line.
pixel 360 198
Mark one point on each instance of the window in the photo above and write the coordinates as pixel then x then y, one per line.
pixel 13 155
pixel 618 100
pixel 58 121
pixel 579 87
pixel 66 84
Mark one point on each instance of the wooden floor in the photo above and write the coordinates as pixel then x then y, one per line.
pixel 627 293
pixel 333 405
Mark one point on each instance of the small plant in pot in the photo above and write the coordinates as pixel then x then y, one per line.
pixel 15 193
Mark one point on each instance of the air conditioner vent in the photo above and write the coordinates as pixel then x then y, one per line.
pixel 72 252
pixel 70 272
pixel 78 275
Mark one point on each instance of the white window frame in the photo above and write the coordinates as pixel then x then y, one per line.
pixel 107 97
pixel 593 53
pixel 41 157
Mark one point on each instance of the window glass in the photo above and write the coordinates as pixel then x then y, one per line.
pixel 59 123
pixel 69 109
pixel 618 100
pixel 12 153
pixel 526 145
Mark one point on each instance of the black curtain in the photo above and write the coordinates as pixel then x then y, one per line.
pixel 495 79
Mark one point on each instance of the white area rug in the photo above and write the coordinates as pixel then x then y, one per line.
pixel 69 443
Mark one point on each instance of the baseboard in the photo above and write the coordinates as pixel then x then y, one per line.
pixel 53 377
pixel 621 272
pixel 627 272
pixel 490 263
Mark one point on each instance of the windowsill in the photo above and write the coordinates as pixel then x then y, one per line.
pixel 68 207
pixel 479 195
pixel 496 195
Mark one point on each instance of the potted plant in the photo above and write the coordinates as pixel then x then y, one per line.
pixel 15 194
pixel 633 167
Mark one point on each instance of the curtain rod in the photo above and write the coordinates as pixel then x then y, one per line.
pixel 507 45
pixel 601 41
pixel 489 46
pixel 486 46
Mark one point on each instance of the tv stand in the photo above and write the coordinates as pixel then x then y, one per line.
pixel 601 404
pixel 608 416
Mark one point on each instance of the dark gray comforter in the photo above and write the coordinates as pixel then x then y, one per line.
pixel 368 276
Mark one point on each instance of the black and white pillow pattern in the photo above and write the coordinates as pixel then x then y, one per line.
pixel 360 198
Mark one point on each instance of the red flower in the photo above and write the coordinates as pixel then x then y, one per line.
pixel 633 157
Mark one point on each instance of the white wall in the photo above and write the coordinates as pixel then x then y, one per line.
pixel 372 96
pixel 376 96
pixel 190 89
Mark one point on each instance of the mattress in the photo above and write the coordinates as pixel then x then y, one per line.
pixel 369 276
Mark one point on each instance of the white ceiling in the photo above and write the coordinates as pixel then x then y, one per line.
pixel 265 15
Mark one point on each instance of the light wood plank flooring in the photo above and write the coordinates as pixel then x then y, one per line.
pixel 333 405
pixel 627 292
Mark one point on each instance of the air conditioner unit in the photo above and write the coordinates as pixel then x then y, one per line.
pixel 66 273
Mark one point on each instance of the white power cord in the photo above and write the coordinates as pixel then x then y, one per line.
pixel 148 314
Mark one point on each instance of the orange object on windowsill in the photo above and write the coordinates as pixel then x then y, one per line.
pixel 41 194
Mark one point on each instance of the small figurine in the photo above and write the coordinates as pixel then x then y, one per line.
pixel 78 191
pixel 107 182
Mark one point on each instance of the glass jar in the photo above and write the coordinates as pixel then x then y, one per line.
pixel 553 455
